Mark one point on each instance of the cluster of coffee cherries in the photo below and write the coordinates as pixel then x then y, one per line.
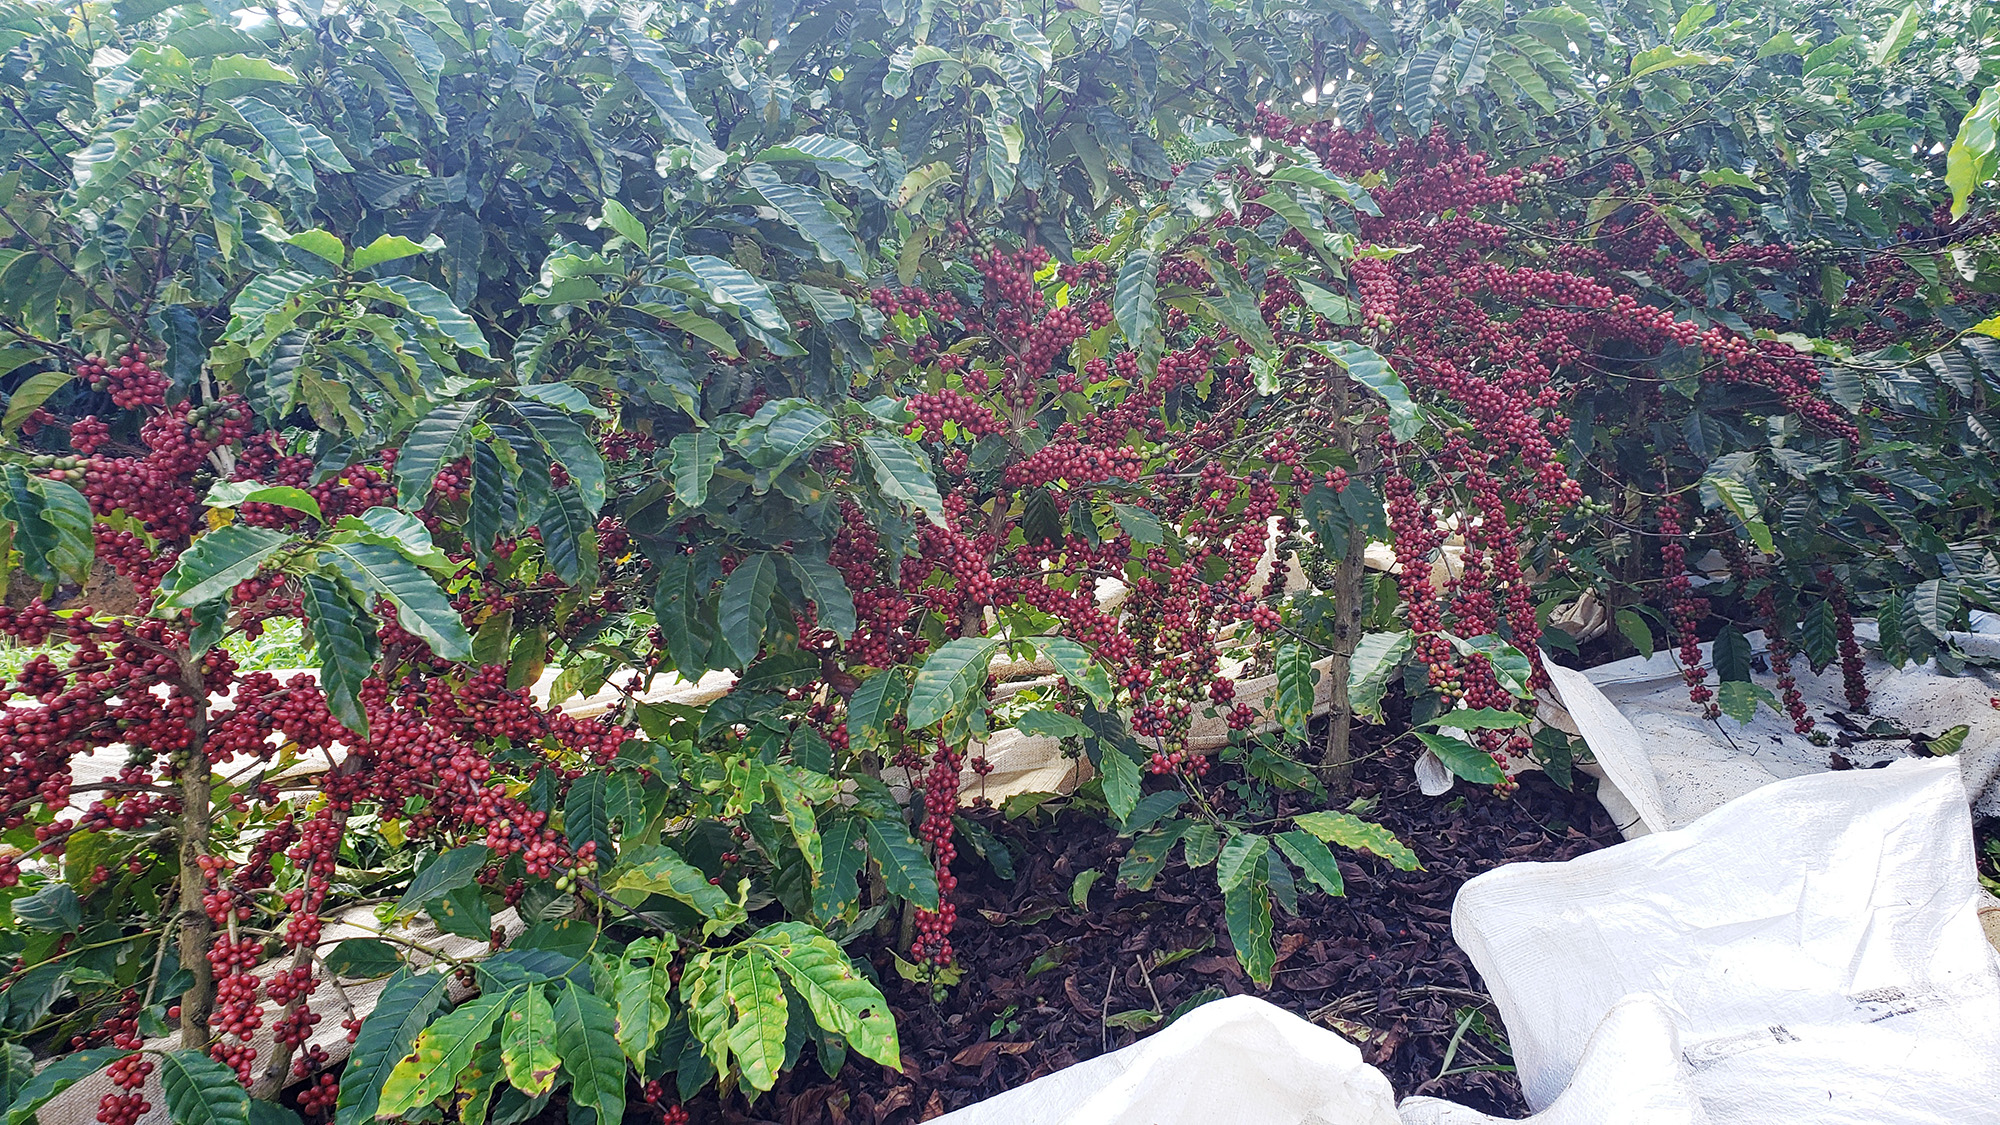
pixel 126 1105
pixel 1780 655
pixel 321 1094
pixel 654 1094
pixel 128 377
pixel 940 792
pixel 1684 607
pixel 1854 677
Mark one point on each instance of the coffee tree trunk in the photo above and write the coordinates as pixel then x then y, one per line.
pixel 196 930
pixel 1350 593
pixel 1350 587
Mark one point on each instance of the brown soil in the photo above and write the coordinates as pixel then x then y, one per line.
pixel 1048 985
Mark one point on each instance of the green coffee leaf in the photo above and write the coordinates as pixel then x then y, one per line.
pixel 1463 758
pixel 1352 832
pixel 344 638
pixel 745 607
pixel 906 871
pixel 587 812
pixel 230 494
pixel 567 444
pixel 432 307
pixel 1742 504
pixel 1292 703
pixel 694 456
pixel 902 471
pixel 1365 366
pixel 442 875
pixel 1334 307
pixel 1555 750
pixel 1051 724
pixel 1314 858
pixel 58 1076
pixel 566 397
pixel 390 248
pixel 586 1039
pixel 1666 57
pixel 421 608
pixel 828 591
pixel 1142 525
pixel 67 514
pixel 569 537
pixel 653 73
pixel 321 244
pixel 1239 858
pixel 1121 783
pixel 1634 629
pixel 949 678
pixel 404 1010
pixel 1819 637
pixel 1246 909
pixel 841 999
pixel 1377 659
pixel 1731 654
pixel 363 959
pixel 806 211
pixel 733 288
pixel 1135 302
pixel 1083 671
pixel 1739 698
pixel 1236 305
pixel 438 438
pixel 442 1050
pixel 1936 605
pixel 872 706
pixel 622 220
pixel 29 397
pixel 1479 718
pixel 1510 666
pixel 217 562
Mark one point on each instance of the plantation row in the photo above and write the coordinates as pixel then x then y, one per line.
pixel 849 349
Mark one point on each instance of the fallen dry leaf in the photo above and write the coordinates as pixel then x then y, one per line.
pixel 978 1053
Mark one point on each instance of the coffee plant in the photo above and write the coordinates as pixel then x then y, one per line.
pixel 514 353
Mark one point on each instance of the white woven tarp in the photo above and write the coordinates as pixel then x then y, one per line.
pixel 1631 1072
pixel 1663 763
pixel 1246 1060
pixel 1817 942
pixel 1234 1060
pixel 1810 954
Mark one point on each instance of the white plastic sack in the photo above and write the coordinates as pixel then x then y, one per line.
pixel 1665 764
pixel 1817 941
pixel 1631 1072
pixel 1234 1060
pixel 1244 1060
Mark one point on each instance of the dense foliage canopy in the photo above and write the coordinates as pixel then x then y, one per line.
pixel 849 348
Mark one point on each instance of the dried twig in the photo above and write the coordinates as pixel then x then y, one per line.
pixel 1104 1013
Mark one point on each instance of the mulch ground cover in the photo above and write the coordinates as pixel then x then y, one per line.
pixel 1048 984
